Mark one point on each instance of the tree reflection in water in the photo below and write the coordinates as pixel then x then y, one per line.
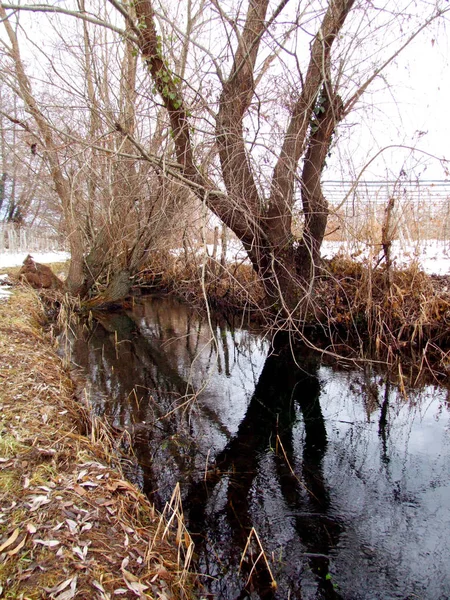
pixel 241 428
pixel 266 429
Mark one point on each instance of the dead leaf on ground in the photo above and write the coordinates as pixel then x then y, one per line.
pixel 70 593
pixel 79 490
pixel 37 502
pixel 47 543
pixel 12 538
pixel 73 526
pixel 98 585
pixel 31 528
pixel 17 548
pixel 60 587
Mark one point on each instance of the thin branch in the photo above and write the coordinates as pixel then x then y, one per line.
pixel 71 13
pixel 354 99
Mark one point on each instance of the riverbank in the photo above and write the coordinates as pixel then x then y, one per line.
pixel 357 309
pixel 70 525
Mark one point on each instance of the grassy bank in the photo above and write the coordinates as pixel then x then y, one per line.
pixel 70 525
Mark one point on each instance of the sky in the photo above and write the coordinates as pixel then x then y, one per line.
pixel 410 111
pixel 408 107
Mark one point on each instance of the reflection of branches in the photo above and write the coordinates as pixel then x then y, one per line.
pixel 271 415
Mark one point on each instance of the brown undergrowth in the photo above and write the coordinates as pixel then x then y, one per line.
pixel 390 311
pixel 70 525
pixel 355 308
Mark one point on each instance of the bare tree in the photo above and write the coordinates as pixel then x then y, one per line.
pixel 261 214
pixel 240 94
pixel 23 183
pixel 47 137
pixel 116 206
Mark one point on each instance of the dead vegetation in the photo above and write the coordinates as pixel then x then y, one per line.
pixel 70 525
pixel 361 308
pixel 392 309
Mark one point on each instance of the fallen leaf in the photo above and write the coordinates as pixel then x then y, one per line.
pixel 127 529
pixel 98 585
pixel 81 474
pixel 124 485
pixel 60 587
pixel 73 527
pixel 45 488
pixel 38 501
pixel 79 490
pixel 17 548
pixel 12 538
pixel 69 594
pixel 48 543
pixel 31 528
pixel 136 587
pixel 81 553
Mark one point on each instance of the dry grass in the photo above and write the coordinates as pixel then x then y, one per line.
pixel 234 289
pixel 394 312
pixel 70 525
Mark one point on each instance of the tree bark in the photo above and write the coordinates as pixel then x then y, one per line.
pixel 263 227
pixel 315 205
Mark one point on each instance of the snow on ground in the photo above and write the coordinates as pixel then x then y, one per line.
pixel 15 259
pixel 433 256
pixel 4 291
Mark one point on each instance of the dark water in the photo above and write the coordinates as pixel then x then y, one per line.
pixel 345 478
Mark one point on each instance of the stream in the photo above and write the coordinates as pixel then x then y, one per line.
pixel 344 477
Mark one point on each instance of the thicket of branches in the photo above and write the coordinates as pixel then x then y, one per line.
pixel 139 113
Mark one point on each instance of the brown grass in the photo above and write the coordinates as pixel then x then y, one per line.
pixel 391 312
pixel 70 525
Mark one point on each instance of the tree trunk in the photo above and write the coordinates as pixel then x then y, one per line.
pixel 329 110
pixel 264 227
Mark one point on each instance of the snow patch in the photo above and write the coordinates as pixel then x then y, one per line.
pixel 15 259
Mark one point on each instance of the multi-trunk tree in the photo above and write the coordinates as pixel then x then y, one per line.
pixel 260 210
pixel 243 98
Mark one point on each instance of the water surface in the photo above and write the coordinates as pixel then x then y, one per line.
pixel 344 477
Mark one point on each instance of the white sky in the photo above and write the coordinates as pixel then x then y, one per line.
pixel 412 112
